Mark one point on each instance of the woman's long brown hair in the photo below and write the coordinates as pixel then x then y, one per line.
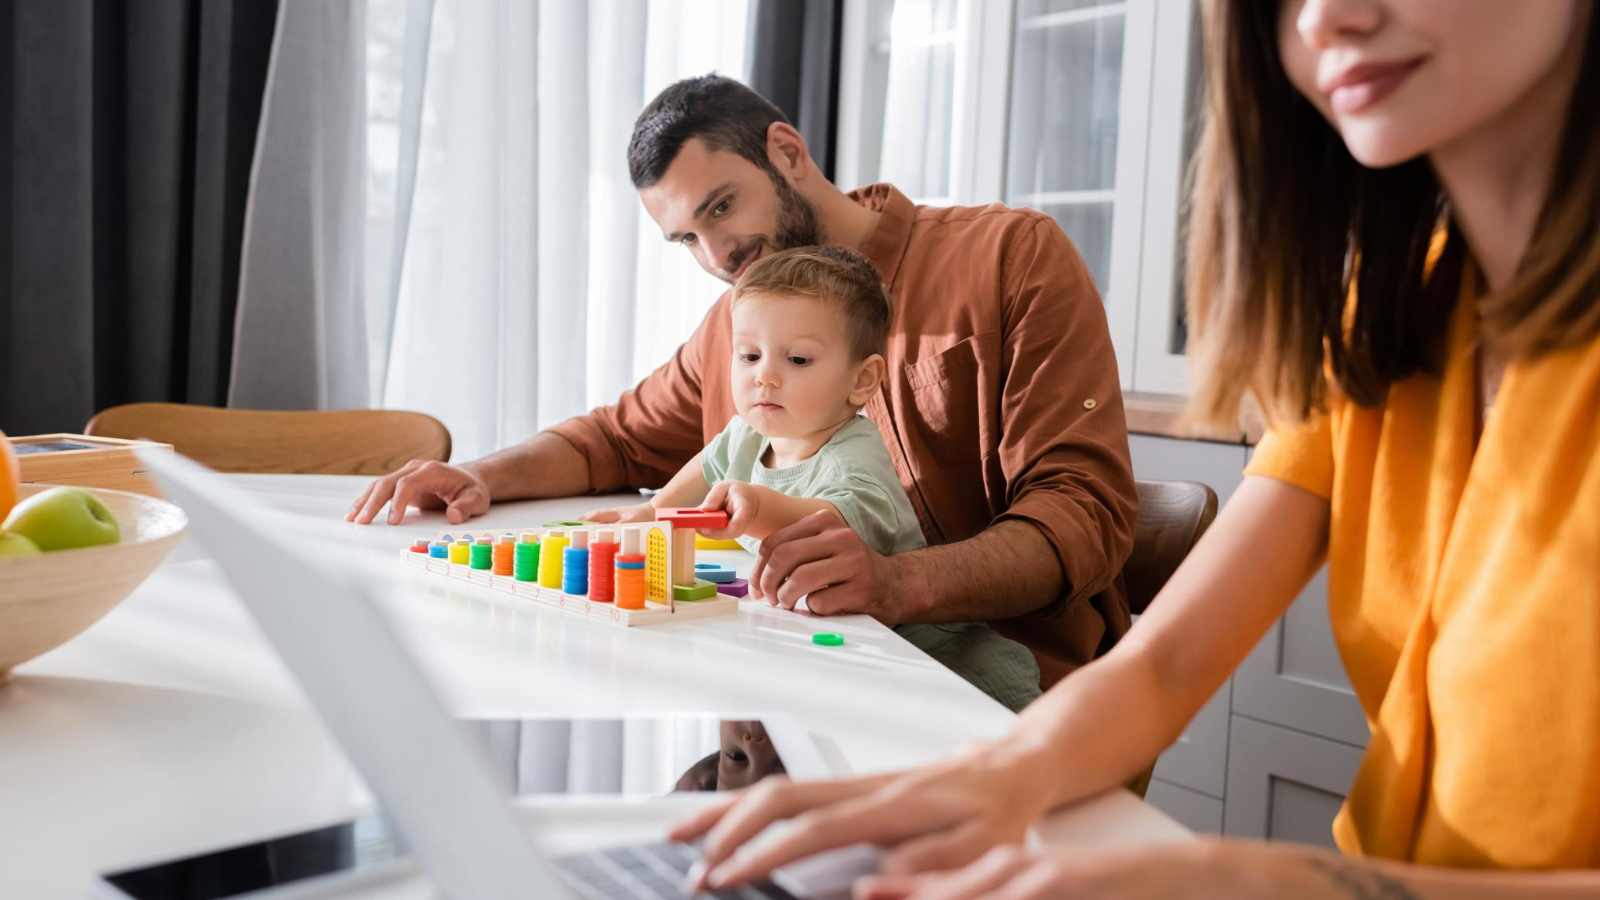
pixel 1280 213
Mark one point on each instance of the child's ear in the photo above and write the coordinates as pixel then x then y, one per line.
pixel 869 375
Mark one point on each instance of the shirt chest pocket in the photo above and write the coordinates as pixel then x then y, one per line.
pixel 942 417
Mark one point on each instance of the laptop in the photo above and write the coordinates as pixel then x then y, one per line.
pixel 433 785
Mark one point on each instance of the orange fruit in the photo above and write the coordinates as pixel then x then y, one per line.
pixel 10 477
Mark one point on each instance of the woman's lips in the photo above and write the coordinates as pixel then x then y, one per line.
pixel 1359 87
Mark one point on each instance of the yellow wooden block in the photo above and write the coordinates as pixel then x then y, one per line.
pixel 701 542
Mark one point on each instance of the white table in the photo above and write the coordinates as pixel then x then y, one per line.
pixel 171 727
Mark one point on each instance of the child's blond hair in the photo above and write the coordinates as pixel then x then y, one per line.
pixel 835 275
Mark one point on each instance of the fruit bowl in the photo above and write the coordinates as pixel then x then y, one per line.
pixel 47 600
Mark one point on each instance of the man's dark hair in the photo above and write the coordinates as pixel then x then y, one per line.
pixel 721 112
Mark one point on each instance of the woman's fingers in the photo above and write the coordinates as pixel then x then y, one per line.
pixel 991 872
pixel 700 821
pixel 729 826
pixel 870 818
pixel 942 851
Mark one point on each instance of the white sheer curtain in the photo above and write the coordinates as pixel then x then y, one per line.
pixel 633 756
pixel 529 286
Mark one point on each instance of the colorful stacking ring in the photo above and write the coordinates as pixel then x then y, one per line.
pixel 602 571
pixel 575 572
pixel 550 558
pixel 503 550
pixel 526 565
pixel 483 553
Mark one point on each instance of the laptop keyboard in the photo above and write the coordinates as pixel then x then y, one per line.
pixel 647 872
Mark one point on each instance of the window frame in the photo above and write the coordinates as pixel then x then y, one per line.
pixel 1153 112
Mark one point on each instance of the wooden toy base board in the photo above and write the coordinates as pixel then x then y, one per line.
pixel 653 613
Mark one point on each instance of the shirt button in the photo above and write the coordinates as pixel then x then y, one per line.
pixel 1089 404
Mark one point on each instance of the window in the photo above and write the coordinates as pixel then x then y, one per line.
pixel 1077 108
pixel 1062 144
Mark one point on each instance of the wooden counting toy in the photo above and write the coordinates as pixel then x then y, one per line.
pixel 685 585
pixel 627 575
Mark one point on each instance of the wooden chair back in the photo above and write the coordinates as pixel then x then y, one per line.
pixel 325 442
pixel 1172 517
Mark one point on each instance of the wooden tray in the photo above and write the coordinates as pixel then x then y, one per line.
pixel 76 459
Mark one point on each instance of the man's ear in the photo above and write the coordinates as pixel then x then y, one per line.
pixel 869 375
pixel 788 150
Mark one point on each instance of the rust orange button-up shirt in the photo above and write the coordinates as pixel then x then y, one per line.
pixel 1002 402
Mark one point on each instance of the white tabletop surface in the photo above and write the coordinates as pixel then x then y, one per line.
pixel 170 726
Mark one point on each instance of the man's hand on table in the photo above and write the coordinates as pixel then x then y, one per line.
pixel 427 485
pixel 825 561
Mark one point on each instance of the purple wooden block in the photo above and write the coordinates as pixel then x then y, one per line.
pixel 735 588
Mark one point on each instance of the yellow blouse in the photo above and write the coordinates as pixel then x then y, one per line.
pixel 1464 593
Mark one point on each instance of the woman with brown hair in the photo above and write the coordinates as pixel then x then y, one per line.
pixel 1395 248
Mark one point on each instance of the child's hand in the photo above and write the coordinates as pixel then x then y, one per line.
pixel 741 500
pixel 621 515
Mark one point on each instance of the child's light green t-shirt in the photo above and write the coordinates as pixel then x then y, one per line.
pixel 852 471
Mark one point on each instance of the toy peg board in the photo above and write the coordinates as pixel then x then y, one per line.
pixel 655 540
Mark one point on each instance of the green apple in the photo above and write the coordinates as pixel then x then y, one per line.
pixel 17 545
pixel 63 518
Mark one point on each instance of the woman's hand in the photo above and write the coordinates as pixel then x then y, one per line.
pixel 621 515
pixel 937 817
pixel 742 502
pixel 1202 870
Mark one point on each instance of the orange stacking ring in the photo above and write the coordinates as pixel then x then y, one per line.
pixel 504 554
pixel 630 583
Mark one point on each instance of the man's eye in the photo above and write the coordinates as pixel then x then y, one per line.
pixel 736 756
pixel 800 360
pixel 686 239
pixel 721 208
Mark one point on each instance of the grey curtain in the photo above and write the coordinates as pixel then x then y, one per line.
pixel 302 324
pixel 126 136
pixel 794 62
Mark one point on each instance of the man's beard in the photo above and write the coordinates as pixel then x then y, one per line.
pixel 798 226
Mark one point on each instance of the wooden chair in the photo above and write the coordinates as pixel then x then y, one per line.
pixel 1172 517
pixel 332 442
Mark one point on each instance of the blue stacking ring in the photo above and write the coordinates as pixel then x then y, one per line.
pixel 575 570
pixel 439 550
pixel 630 565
